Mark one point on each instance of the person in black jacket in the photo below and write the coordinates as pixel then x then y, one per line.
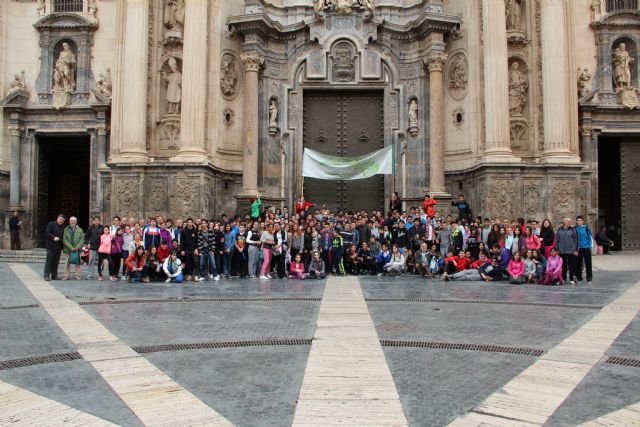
pixel 53 234
pixel 464 210
pixel 14 231
pixel 190 247
pixel 92 238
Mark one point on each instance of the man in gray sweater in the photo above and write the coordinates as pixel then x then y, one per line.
pixel 567 245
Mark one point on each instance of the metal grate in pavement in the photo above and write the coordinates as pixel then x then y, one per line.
pixel 223 344
pixel 467 347
pixel 39 360
pixel 18 307
pixel 194 300
pixel 493 302
pixel 624 361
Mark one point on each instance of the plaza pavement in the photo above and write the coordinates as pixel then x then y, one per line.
pixel 358 351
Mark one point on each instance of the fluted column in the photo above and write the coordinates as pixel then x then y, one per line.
pixel 435 63
pixel 252 62
pixel 134 81
pixel 496 81
pixel 194 82
pixel 554 81
pixel 14 181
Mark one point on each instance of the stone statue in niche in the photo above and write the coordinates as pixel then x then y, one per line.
pixel 583 80
pixel 228 76
pixel 65 70
pixel 413 116
pixel 344 68
pixel 174 86
pixel 174 17
pixel 273 113
pixel 104 85
pixel 513 10
pixel 621 61
pixel 518 86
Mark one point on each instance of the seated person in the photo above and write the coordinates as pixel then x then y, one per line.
pixel 410 261
pixel 296 269
pixel 479 267
pixel 604 241
pixel 396 265
pixel 384 257
pixel 553 273
pixel 163 251
pixel 516 270
pixel 172 267
pixel 352 263
pixel 316 267
pixel 492 272
pixel 422 258
pixel 152 267
pixel 135 264
pixel 366 261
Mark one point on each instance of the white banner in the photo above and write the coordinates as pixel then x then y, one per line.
pixel 323 166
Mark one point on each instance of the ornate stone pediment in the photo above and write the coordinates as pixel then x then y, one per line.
pixel 64 21
pixel 17 98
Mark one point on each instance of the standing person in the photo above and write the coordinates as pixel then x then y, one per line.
pixel 229 246
pixel 14 231
pixel 464 209
pixel 54 233
pixel 429 205
pixel 531 240
pixel 302 206
pixel 337 252
pixel 151 235
pixel 585 244
pixel 444 238
pixel 268 240
pixel 73 242
pixel 128 246
pixel 92 238
pixel 116 252
pixel 104 252
pixel 256 206
pixel 115 224
pixel 253 242
pixel 567 245
pixel 240 255
pixel 395 204
pixel 280 251
pixel 189 245
pixel 548 236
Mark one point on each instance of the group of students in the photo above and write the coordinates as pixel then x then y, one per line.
pixel 312 242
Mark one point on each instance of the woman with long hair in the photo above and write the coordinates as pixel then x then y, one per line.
pixel 548 236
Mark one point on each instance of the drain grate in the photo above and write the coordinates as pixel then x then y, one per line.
pixel 19 307
pixel 223 344
pixel 468 347
pixel 624 361
pixel 492 302
pixel 195 300
pixel 39 360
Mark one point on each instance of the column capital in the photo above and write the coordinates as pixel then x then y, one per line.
pixel 102 130
pixel 586 130
pixel 252 61
pixel 435 61
pixel 15 130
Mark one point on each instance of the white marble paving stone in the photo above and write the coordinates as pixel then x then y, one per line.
pixel 155 398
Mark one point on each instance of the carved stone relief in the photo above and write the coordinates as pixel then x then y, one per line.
pixel 228 116
pixel 344 7
pixel 458 76
pixel 127 190
pixel 104 85
pixel 504 198
pixel 344 62
pixel 229 76
pixel 564 193
pixel 273 116
pixel 17 84
pixel 584 76
pixel 174 18
pixel 170 132
pixel 513 11
pixel 532 205
pixel 518 89
pixel 519 130
pixel 157 196
pixel 458 118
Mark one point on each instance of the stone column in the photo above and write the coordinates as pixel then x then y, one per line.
pixel 194 82
pixel 101 158
pixel 555 75
pixel 496 82
pixel 435 62
pixel 133 147
pixel 14 183
pixel 252 63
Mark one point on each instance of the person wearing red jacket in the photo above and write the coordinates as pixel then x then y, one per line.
pixel 163 251
pixel 302 206
pixel 429 206
pixel 135 264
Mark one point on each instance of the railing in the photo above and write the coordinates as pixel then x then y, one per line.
pixel 68 5
pixel 620 5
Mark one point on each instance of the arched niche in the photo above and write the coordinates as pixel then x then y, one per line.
pixel 631 47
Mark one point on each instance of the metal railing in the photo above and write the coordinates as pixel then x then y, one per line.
pixel 68 5
pixel 620 5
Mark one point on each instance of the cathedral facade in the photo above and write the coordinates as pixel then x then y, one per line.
pixel 191 107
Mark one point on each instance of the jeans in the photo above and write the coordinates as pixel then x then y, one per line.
pixel 101 258
pixel 466 276
pixel 208 263
pixel 226 263
pixel 584 255
pixel 254 252
pixel 91 265
pixel 51 263
pixel 125 255
pixel 568 263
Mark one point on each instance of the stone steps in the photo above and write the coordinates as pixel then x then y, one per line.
pixel 27 255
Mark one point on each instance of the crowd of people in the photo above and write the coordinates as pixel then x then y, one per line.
pixel 312 241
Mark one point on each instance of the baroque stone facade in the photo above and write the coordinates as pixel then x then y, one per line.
pixel 478 97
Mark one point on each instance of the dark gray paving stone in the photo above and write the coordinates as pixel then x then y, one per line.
pixel 436 386
pixel 521 326
pixel 30 332
pixel 256 386
pixel 12 291
pixel 171 323
pixel 605 389
pixel 75 384
pixel 628 342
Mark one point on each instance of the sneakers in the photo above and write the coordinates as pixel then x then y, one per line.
pixel 573 282
pixel 100 278
pixel 210 276
pixel 167 281
pixel 379 274
pixel 216 277
pixel 264 278
pixel 145 280
pixel 589 283
pixel 123 278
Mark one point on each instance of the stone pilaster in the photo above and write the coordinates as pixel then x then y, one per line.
pixel 435 63
pixel 133 147
pixel 101 158
pixel 555 81
pixel 496 82
pixel 252 63
pixel 14 182
pixel 194 82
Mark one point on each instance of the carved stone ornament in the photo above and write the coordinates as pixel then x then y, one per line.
pixel 563 200
pixel 174 18
pixel 18 84
pixel 435 61
pixel 229 76
pixel 513 11
pixel 41 7
pixel 458 118
pixel 628 98
pixel 413 117
pixel 458 76
pixel 15 130
pixel 344 63
pixel 228 116
pixel 583 82
pixel 252 61
pixel 104 86
pixel 518 88
pixel 518 130
pixel 102 129
pixel 273 117
pixel 344 7
pixel 170 132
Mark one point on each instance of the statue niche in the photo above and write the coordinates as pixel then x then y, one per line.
pixel 174 18
pixel 173 78
pixel 344 62
pixel 64 74
pixel 622 59
pixel 518 95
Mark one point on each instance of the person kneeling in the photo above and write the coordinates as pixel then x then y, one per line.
pixel 316 267
pixel 135 264
pixel 516 270
pixel 296 270
pixel 172 267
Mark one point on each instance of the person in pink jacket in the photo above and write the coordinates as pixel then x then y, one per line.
pixel 516 269
pixel 296 271
pixel 553 273
pixel 531 240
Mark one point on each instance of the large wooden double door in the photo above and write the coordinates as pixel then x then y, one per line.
pixel 344 124
pixel 630 194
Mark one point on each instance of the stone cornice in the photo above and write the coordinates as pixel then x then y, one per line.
pixel 624 19
pixel 65 21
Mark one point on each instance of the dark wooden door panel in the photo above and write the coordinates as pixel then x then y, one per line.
pixel 630 171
